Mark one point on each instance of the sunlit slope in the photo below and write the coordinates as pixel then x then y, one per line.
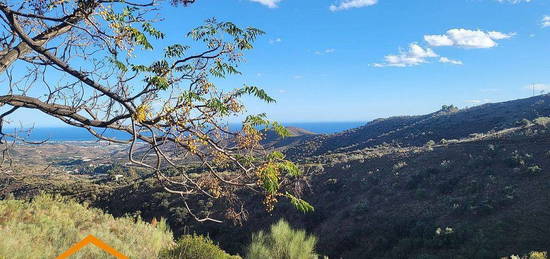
pixel 445 124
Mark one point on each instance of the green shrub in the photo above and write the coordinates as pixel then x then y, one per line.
pixel 537 255
pixel 516 159
pixel 534 170
pixel 445 164
pixel 532 255
pixel 360 208
pixel 399 165
pixel 282 242
pixel 523 123
pixel 542 121
pixel 48 225
pixel 449 108
pixel 196 247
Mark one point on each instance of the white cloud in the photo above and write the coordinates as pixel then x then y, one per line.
pixel 438 40
pixel 479 101
pixel 514 1
pixel 467 38
pixel 297 77
pixel 450 61
pixel 277 40
pixel 347 4
pixel 546 21
pixel 415 55
pixel 539 88
pixel 268 3
pixel 496 35
pixel 326 51
pixel 455 37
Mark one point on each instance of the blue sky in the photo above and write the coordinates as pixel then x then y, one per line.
pixel 356 60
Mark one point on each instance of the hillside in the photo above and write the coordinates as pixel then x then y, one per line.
pixel 480 197
pixel 492 193
pixel 388 201
pixel 297 135
pixel 418 130
pixel 48 226
pixel 479 190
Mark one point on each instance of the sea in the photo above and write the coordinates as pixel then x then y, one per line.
pixel 79 134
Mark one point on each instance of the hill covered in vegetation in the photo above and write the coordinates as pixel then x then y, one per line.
pixel 272 139
pixel 447 123
pixel 470 183
pixel 482 196
pixel 47 226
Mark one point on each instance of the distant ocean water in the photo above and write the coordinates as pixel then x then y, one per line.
pixel 78 134
pixel 326 127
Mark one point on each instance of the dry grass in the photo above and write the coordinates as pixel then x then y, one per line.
pixel 47 226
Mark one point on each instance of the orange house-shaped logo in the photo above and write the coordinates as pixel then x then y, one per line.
pixel 91 240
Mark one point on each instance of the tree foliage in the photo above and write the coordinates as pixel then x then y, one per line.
pixel 95 64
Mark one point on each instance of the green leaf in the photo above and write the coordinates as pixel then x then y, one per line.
pixel 300 204
pixel 290 168
pixel 275 155
pixel 220 69
pixel 190 96
pixel 147 27
pixel 280 129
pixel 159 81
pixel 139 38
pixel 255 91
pixel 159 67
pixel 217 105
pixel 139 68
pixel 119 64
pixel 270 179
pixel 175 50
pixel 256 120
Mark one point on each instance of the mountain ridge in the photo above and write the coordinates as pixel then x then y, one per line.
pixel 420 129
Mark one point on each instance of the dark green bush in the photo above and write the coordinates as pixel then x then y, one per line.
pixel 516 160
pixel 534 170
pixel 360 208
pixel 523 123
